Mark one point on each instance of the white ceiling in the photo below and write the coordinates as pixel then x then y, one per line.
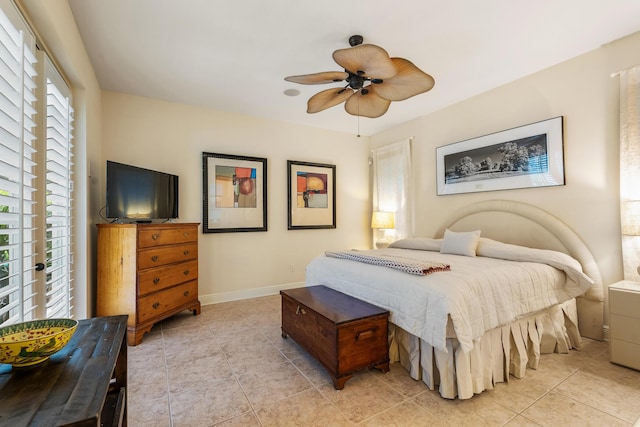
pixel 233 55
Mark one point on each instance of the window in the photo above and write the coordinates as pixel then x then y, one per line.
pixel 392 187
pixel 59 186
pixel 17 150
pixel 26 292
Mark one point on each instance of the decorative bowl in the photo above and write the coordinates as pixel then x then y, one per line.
pixel 30 343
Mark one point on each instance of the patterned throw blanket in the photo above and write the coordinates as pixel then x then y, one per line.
pixel 411 266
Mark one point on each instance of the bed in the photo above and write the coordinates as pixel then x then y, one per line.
pixel 466 326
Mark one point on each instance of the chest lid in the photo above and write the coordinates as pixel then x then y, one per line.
pixel 335 306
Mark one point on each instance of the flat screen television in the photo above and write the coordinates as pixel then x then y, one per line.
pixel 141 195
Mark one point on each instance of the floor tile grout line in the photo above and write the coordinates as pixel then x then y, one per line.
pixel 244 393
pixel 166 372
pixel 580 401
pixel 555 387
pixel 313 385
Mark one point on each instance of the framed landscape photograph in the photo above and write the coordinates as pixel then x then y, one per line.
pixel 311 195
pixel 234 193
pixel 523 157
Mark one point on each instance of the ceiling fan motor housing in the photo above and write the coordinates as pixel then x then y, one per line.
pixel 355 81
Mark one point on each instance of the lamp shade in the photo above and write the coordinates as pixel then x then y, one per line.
pixel 631 218
pixel 383 220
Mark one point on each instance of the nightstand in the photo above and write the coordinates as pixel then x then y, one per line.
pixel 624 323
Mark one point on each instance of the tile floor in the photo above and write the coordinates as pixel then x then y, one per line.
pixel 229 366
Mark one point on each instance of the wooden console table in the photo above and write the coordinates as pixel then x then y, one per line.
pixel 84 384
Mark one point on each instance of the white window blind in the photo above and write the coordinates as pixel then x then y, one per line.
pixel 17 148
pixel 59 187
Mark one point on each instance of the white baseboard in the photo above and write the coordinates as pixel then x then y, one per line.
pixel 246 294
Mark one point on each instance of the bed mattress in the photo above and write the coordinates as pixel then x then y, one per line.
pixel 502 284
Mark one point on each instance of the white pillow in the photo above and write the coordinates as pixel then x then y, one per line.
pixel 460 243
pixel 418 243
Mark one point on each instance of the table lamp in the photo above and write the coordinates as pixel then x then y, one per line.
pixel 383 221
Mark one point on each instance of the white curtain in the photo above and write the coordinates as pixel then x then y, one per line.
pixel 392 188
pixel 630 171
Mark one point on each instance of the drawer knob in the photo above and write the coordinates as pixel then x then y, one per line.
pixel 156 280
pixel 186 234
pixel 300 310
pixel 186 252
pixel 156 305
pixel 155 236
pixel 154 258
pixel 186 272
pixel 186 293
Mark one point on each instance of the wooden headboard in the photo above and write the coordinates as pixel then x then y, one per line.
pixel 527 225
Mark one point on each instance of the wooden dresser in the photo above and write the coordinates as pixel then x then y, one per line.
pixel 341 332
pixel 147 271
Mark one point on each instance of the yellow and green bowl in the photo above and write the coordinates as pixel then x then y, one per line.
pixel 30 343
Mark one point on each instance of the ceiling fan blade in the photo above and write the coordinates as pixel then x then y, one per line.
pixel 369 105
pixel 409 81
pixel 318 78
pixel 373 60
pixel 327 99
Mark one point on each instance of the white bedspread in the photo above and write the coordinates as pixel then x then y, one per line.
pixel 479 293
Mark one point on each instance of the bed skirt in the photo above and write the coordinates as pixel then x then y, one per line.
pixel 509 349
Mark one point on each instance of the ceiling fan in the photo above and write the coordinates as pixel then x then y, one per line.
pixel 373 81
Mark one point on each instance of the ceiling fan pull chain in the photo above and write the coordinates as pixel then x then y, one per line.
pixel 358 117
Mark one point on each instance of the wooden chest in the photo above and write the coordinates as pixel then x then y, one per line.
pixel 147 271
pixel 343 333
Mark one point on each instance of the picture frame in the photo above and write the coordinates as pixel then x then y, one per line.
pixel 523 157
pixel 234 193
pixel 311 189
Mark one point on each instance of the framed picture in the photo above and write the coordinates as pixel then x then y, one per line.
pixel 522 157
pixel 234 193
pixel 311 195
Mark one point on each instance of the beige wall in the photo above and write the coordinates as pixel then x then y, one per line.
pixel 583 91
pixel 171 137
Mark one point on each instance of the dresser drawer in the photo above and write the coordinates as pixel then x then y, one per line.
pixel 625 300
pixel 624 328
pixel 155 279
pixel 161 236
pixel 164 255
pixel 625 353
pixel 160 302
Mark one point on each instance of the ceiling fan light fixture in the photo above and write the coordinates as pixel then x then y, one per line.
pixel 389 79
pixel 367 105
